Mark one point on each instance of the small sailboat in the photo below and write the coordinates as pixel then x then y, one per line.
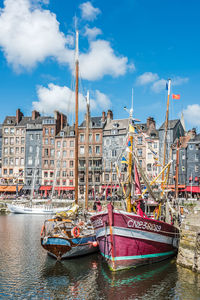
pixel 131 238
pixel 71 234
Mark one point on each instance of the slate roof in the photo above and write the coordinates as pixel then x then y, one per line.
pixel 95 122
pixel 171 124
pixel 67 129
pixel 118 124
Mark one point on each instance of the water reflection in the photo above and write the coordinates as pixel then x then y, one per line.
pixel 27 272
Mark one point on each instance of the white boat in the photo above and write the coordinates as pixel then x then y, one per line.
pixel 46 209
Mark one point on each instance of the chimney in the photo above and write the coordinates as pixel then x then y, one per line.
pixel 19 115
pixel 35 114
pixel 103 116
pixel 63 121
pixel 109 116
pixel 151 124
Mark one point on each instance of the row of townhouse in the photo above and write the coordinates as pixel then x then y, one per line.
pixel 38 152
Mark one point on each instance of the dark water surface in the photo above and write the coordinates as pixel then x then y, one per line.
pixel 27 272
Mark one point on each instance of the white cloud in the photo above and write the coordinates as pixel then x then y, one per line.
pixel 146 78
pixel 179 80
pixel 102 100
pixel 100 61
pixel 62 98
pixel 92 33
pixel 159 85
pixel 28 35
pixel 88 11
pixel 191 114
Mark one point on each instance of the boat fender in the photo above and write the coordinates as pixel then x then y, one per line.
pixel 76 231
pixel 42 230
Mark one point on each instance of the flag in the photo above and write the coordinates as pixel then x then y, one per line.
pixel 124 160
pixel 166 86
pixel 129 143
pixel 132 129
pixel 177 97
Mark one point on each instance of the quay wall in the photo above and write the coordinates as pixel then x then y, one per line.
pixel 189 247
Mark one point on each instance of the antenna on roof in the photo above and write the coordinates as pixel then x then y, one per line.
pixel 130 111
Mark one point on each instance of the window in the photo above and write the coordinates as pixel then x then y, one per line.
pixel 58 154
pixel 46 152
pixel 82 163
pixel 106 177
pixel 196 156
pixel 46 131
pixel 90 149
pixel 71 182
pixel 46 162
pixel 51 174
pixel 51 152
pixel 6 141
pixel 97 137
pixel 52 141
pixel 22 150
pixel 52 131
pixel 46 141
pixel 139 140
pixel 11 150
pixel 190 147
pixel 64 182
pixel 149 155
pixel 114 153
pixel 82 138
pixel 11 161
pixel 139 151
pixel 5 161
pixel 64 173
pixel 12 140
pixel 30 160
pixel 71 143
pixel 31 137
pixel 114 177
pixel 22 161
pixel 183 156
pixel 6 150
pixel 72 133
pixel 37 136
pixel 64 164
pixel 97 178
pixel 58 174
pixel 64 153
pixel 64 144
pixel 17 150
pixel 82 150
pixel 90 137
pixel 6 130
pixel 17 131
pixel 22 140
pixel 17 140
pixel 71 164
pixel 148 167
pixel 155 145
pixel 5 171
pixel 58 144
pixel 10 171
pixel 45 174
pixel 31 149
pixel 196 168
pixel 51 162
pixel 97 149
pixel 71 173
pixel 71 153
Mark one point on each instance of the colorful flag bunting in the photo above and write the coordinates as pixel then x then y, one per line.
pixel 177 97
pixel 132 129
pixel 129 143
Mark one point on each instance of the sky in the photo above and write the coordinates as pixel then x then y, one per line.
pixel 123 46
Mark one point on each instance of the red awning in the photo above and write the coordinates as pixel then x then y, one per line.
pixel 64 188
pixel 196 179
pixel 190 178
pixel 192 189
pixel 45 187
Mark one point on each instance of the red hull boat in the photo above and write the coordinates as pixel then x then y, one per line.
pixel 128 240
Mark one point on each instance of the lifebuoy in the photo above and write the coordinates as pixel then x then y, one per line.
pixel 76 231
pixel 42 230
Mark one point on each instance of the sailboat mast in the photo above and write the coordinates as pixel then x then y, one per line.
pixel 166 127
pixel 87 151
pixel 76 120
pixel 177 170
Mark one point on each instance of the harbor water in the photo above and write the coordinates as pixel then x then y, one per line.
pixel 27 272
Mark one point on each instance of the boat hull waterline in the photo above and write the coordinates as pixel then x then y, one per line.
pixel 60 247
pixel 40 210
pixel 127 240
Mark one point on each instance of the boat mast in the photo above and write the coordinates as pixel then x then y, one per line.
pixel 130 158
pixel 76 119
pixel 87 151
pixel 177 170
pixel 165 134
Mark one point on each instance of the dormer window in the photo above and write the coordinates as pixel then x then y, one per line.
pixel 62 133
pixel 114 131
pixel 115 125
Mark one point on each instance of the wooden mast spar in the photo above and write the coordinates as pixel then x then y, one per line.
pixel 76 120
pixel 87 151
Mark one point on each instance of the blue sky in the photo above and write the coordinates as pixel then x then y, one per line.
pixel 126 44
